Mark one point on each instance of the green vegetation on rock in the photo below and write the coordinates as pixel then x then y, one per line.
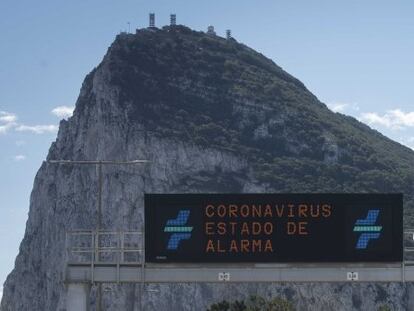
pixel 217 93
pixel 254 303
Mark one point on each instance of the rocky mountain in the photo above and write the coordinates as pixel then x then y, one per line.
pixel 212 115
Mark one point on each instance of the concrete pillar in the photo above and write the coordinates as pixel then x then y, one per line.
pixel 77 298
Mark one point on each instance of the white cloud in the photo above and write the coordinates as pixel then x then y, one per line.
pixel 374 118
pixel 63 111
pixel 393 119
pixel 394 123
pixel 7 121
pixel 37 129
pixel 4 128
pixel 343 107
pixel 7 117
pixel 19 157
pixel 20 143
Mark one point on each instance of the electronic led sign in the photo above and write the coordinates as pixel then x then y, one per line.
pixel 226 228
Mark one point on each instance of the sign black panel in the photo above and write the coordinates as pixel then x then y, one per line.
pixel 235 228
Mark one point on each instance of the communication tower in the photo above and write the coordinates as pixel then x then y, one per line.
pixel 228 34
pixel 173 20
pixel 152 20
pixel 210 30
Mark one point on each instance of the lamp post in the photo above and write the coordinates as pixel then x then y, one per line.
pixel 98 165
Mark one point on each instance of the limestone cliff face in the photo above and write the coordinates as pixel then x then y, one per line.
pixel 212 116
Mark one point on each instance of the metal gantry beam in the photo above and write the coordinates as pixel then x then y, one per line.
pixel 78 276
pixel 81 274
pixel 130 273
pixel 124 269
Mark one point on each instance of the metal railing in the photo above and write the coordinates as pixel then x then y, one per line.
pixel 127 247
pixel 104 247
pixel 110 256
pixel 408 255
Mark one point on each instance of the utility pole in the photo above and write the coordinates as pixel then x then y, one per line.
pixel 98 165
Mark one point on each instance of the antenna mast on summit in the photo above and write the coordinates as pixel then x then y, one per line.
pixel 152 20
pixel 210 30
pixel 228 34
pixel 173 20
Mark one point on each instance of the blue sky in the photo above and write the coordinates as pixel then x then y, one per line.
pixel 356 56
